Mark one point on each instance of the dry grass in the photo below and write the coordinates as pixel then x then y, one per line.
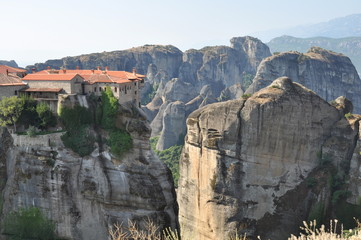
pixel 312 233
pixel 152 232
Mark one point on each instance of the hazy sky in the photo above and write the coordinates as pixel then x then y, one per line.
pixel 38 30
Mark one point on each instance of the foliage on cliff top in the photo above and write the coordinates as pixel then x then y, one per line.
pixel 119 140
pixel 77 122
pixel 28 223
pixel 10 110
pixel 169 156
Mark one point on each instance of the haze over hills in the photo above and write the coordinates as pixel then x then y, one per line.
pixel 348 26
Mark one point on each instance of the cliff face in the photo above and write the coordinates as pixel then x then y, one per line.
pixel 329 74
pixel 195 77
pixel 204 76
pixel 86 196
pixel 245 163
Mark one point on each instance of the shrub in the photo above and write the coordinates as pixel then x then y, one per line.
pixel 110 109
pixel 348 116
pixel 246 96
pixel 79 140
pixel 47 119
pixel 120 142
pixel 31 132
pixel 29 224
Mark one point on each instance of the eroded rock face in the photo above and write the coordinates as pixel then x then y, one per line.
pixel 205 76
pixel 327 73
pixel 86 196
pixel 245 162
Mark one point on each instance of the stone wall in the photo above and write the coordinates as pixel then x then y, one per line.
pixel 9 91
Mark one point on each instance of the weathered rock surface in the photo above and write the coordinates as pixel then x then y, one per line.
pixel 86 196
pixel 327 73
pixel 246 164
pixel 204 76
pixel 177 76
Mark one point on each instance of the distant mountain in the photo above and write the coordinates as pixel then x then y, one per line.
pixel 11 63
pixel 350 46
pixel 349 26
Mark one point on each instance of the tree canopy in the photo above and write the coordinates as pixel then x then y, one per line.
pixel 10 110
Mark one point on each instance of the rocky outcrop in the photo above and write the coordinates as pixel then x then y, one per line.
pixel 250 164
pixel 195 77
pixel 327 73
pixel 86 196
pixel 205 76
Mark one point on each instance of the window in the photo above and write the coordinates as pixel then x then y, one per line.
pixel 135 83
pixel 115 89
pixel 135 92
pixel 16 92
pixel 100 89
pixel 95 89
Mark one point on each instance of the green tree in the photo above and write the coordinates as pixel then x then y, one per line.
pixel 10 110
pixel 45 115
pixel 29 224
pixel 110 109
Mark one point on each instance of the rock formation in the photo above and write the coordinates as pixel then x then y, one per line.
pixel 11 63
pixel 195 77
pixel 205 76
pixel 327 73
pixel 258 165
pixel 85 196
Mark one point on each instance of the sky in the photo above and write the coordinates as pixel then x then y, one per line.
pixel 38 30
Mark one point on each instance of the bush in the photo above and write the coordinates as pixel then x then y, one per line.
pixel 47 119
pixel 77 121
pixel 120 142
pixel 31 132
pixel 246 96
pixel 29 224
pixel 348 116
pixel 110 109
pixel 79 140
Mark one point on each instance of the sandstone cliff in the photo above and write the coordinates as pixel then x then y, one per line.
pixel 261 165
pixel 327 73
pixel 87 195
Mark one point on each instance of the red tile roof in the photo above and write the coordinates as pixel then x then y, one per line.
pixel 94 76
pixel 50 77
pixel 3 69
pixel 10 80
pixel 56 90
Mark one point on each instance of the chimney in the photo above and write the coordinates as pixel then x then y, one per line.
pixel 33 70
pixel 64 70
pixel 134 71
pixel 48 67
pixel 93 71
pixel 106 68
pixel 98 68
pixel 77 67
pixel 7 71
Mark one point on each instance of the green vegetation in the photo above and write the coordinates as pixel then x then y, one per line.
pixel 120 142
pixel 246 96
pixel 25 111
pixel 348 116
pixel 110 107
pixel 311 182
pixel 29 224
pixel 10 111
pixel 77 122
pixel 275 86
pixel 317 213
pixel 302 57
pixel 46 117
pixel 169 156
pixel 31 132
